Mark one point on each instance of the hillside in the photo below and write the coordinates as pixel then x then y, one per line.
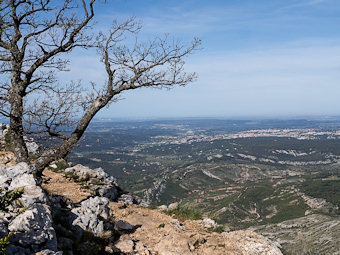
pixel 77 219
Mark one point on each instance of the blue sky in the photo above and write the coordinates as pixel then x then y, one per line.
pixel 269 58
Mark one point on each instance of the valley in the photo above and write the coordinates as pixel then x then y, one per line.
pixel 230 171
pixel 242 174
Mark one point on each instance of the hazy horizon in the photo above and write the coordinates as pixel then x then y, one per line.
pixel 258 58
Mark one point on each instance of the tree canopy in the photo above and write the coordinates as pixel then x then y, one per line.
pixel 35 38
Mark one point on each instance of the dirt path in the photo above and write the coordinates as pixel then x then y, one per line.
pixel 57 183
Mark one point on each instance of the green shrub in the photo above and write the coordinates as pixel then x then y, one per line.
pixel 5 200
pixel 4 242
pixel 185 212
pixel 218 229
pixel 72 176
pixel 61 165
pixel 9 197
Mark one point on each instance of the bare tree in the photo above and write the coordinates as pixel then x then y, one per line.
pixel 35 37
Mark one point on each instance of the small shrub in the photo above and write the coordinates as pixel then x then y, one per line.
pixel 72 176
pixel 185 212
pixel 61 165
pixel 4 242
pixel 218 229
pixel 153 207
pixel 9 197
pixel 5 200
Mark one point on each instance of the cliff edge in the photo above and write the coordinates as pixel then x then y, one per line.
pixel 78 210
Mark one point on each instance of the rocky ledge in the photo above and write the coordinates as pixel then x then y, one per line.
pixel 78 210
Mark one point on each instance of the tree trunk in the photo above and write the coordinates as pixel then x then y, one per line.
pixel 49 156
pixel 16 132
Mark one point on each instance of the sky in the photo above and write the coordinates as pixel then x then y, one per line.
pixel 263 58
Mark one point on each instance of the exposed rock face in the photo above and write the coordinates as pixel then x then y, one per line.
pixel 33 228
pixel 100 182
pixel 32 193
pixel 90 216
pixel 30 220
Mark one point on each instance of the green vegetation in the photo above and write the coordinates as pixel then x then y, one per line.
pixel 218 229
pixel 151 158
pixel 8 198
pixel 320 187
pixel 61 165
pixel 4 242
pixel 185 212
pixel 5 200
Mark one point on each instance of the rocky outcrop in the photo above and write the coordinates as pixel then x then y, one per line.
pixel 33 229
pixel 97 180
pixel 34 218
pixel 52 224
pixel 29 219
pixel 90 216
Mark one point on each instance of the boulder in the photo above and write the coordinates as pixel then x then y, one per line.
pixel 86 173
pixel 108 191
pixel 32 146
pixel 163 207
pixel 209 223
pixel 90 216
pixel 49 252
pixel 18 170
pixel 100 182
pixel 125 245
pixel 127 199
pixel 173 206
pixel 33 229
pixel 124 226
pixel 32 192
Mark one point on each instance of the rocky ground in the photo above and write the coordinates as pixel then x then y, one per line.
pixel 157 233
pixel 78 210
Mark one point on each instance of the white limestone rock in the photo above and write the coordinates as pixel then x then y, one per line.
pixel 90 216
pixel 4 181
pixel 3 130
pixel 108 186
pixel 173 206
pixel 49 252
pixel 32 192
pixel 32 146
pixel 33 229
pixel 18 169
pixel 209 223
